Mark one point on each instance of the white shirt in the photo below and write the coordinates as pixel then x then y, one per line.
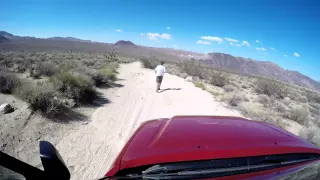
pixel 160 70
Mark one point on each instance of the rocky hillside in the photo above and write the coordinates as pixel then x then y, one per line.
pixel 260 68
pixel 3 39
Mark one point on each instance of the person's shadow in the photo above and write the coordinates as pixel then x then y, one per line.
pixel 169 89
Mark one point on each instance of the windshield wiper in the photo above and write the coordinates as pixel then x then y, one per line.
pixel 215 172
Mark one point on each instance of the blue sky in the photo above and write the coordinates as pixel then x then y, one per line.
pixel 285 32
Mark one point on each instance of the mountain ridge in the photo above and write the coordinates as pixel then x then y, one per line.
pixel 218 60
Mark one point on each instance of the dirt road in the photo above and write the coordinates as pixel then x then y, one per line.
pixel 91 149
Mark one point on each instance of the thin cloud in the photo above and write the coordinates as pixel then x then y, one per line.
pixel 231 40
pixel 261 49
pixel 265 53
pixel 211 38
pixel 238 45
pixel 271 48
pixel 166 36
pixel 257 41
pixel 168 27
pixel 118 30
pixel 245 43
pixel 296 54
pixel 231 44
pixel 285 55
pixel 203 42
pixel 157 36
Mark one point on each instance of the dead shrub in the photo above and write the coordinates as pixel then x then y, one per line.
pixel 313 96
pixel 219 79
pixel 229 88
pixel 233 99
pixel 315 108
pixel 8 82
pixel 302 99
pixel 263 99
pixel 245 98
pixel 280 107
pixel 286 101
pixel 312 134
pixel 271 88
pixel 299 114
pixel 76 86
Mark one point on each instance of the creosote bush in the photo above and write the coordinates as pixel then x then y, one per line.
pixel 300 114
pixel 8 82
pixel 192 68
pixel 199 84
pixel 233 99
pixel 41 97
pixel 229 88
pixel 76 86
pixel 219 79
pixel 148 63
pixel 271 88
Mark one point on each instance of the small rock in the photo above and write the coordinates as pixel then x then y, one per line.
pixel 6 108
pixel 189 78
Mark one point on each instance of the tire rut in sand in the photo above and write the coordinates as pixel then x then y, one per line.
pixel 91 149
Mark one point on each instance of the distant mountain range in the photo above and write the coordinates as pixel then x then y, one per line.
pixel 69 39
pixel 217 60
pixel 3 39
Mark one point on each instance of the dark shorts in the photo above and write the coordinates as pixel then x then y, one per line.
pixel 159 79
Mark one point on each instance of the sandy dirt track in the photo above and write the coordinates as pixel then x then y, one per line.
pixel 90 150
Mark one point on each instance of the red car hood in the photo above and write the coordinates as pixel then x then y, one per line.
pixel 188 138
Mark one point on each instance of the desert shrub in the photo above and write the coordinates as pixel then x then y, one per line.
pixel 245 98
pixel 271 88
pixel 105 75
pixel 229 88
pixel 41 97
pixel 287 101
pixel 302 99
pixel 148 63
pixel 244 86
pixel 235 84
pixel 215 93
pixel 219 79
pixel 312 134
pixel 192 68
pixel 8 82
pixel 299 114
pixel 47 69
pixel 280 107
pixel 88 62
pixel 74 85
pixel 263 99
pixel 314 108
pixel 313 96
pixel 233 99
pixel 199 84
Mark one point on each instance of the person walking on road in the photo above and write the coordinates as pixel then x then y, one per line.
pixel 160 70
